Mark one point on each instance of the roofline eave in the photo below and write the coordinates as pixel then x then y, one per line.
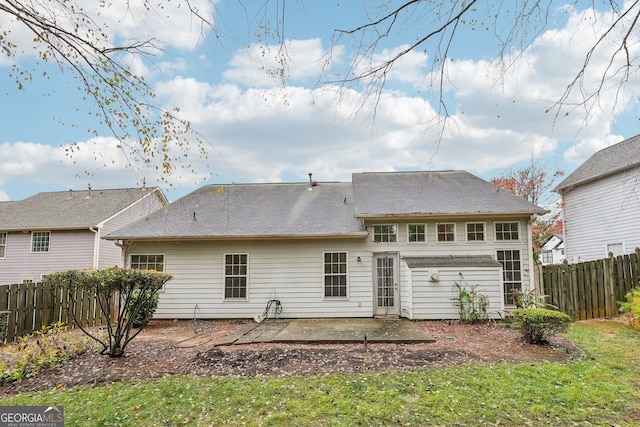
pixel 450 215
pixel 360 234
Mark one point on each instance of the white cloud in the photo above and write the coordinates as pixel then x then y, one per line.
pixel 268 65
pixel 168 24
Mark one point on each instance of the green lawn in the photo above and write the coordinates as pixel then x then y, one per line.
pixel 602 390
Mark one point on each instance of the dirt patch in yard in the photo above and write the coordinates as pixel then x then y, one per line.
pixel 188 348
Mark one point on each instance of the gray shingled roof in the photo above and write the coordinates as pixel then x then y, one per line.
pixel 328 210
pixel 253 211
pixel 433 193
pixel 608 161
pixel 68 209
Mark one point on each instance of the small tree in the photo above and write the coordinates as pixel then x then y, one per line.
pixel 121 294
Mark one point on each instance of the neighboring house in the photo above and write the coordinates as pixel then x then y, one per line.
pixel 55 231
pixel 601 203
pixel 385 244
pixel 552 252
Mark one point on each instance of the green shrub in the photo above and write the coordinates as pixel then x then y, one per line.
pixel 538 324
pixel 632 305
pixel 146 307
pixel 114 289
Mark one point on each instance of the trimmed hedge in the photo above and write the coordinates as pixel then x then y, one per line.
pixel 538 324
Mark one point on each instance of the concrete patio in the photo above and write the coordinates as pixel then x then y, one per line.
pixel 343 330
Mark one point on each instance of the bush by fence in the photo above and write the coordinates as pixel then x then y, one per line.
pixel 591 290
pixel 34 305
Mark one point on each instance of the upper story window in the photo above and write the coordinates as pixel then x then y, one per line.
pixel 387 233
pixel 148 262
pixel 3 244
pixel 446 232
pixel 40 241
pixel 475 232
pixel 335 274
pixel 507 231
pixel 235 276
pixel 417 232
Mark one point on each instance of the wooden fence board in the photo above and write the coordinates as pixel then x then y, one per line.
pixel 34 306
pixel 591 289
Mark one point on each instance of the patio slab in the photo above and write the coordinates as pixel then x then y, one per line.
pixel 342 330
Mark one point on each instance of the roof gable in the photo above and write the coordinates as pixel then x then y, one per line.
pixel 70 209
pixel 617 158
pixel 433 193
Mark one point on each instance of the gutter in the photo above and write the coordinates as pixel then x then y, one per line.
pixel 362 234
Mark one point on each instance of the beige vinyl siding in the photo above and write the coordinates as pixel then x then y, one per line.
pixel 434 299
pixel 414 305
pixel 68 250
pixel 290 271
pixel 601 212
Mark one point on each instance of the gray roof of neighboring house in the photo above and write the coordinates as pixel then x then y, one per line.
pixel 69 209
pixel 330 209
pixel 253 211
pixel 452 261
pixel 608 161
pixel 455 192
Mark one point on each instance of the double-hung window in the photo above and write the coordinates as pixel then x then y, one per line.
pixel 3 245
pixel 446 232
pixel 235 276
pixel 416 233
pixel 335 274
pixel 385 233
pixel 475 232
pixel 507 231
pixel 40 241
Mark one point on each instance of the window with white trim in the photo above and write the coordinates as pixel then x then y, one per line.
pixel 416 233
pixel 507 231
pixel 147 262
pixel 446 232
pixel 511 274
pixel 40 241
pixel 385 233
pixel 3 245
pixel 235 276
pixel 335 274
pixel 475 231
pixel 615 249
pixel 547 257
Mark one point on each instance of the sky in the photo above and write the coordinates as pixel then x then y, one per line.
pixel 262 126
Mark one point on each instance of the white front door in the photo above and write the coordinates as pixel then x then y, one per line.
pixel 385 284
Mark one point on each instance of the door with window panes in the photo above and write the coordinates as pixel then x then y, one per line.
pixel 385 284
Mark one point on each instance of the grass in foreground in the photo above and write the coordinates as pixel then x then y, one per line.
pixel 601 390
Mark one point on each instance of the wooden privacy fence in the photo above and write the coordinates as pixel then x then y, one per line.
pixel 33 306
pixel 592 289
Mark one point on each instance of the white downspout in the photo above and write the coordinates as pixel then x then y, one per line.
pixel 96 247
pixel 532 269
